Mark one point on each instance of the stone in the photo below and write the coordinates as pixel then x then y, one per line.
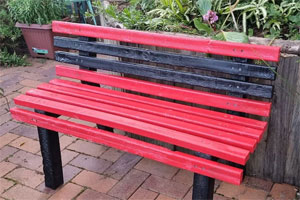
pixel 6 167
pixel 20 192
pixel 94 181
pixel 283 191
pixel 25 176
pixel 88 148
pixel 143 194
pixel 6 152
pixel 26 159
pixel 26 144
pixel 93 195
pixel 7 138
pixel 128 185
pixel 122 166
pixel 67 192
pixel 156 168
pixel 231 191
pixel 112 154
pixel 165 186
pixel 90 163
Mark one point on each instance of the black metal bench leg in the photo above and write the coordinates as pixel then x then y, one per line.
pixel 203 186
pixel 50 149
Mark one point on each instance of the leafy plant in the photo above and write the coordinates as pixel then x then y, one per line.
pixel 10 39
pixel 11 59
pixel 36 11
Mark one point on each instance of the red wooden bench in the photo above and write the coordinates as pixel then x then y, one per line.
pixel 210 134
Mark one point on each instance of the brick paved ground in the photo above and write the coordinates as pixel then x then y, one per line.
pixel 94 171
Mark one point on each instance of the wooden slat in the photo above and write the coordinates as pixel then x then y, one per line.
pixel 209 133
pixel 186 61
pixel 182 94
pixel 149 71
pixel 185 161
pixel 192 142
pixel 155 107
pixel 242 50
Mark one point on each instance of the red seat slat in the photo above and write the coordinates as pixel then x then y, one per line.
pixel 179 108
pixel 182 94
pixel 185 161
pixel 170 111
pixel 192 142
pixel 209 133
pixel 242 50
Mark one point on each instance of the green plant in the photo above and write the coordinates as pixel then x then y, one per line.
pixel 36 11
pixel 10 39
pixel 8 59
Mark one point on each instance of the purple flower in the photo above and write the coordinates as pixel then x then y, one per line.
pixel 210 17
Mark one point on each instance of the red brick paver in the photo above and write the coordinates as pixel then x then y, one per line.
pixel 93 171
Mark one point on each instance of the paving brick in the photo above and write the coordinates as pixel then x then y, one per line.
pixel 185 177
pixel 69 172
pixel 6 167
pixel 93 195
pixel 26 131
pixel 5 118
pixel 258 183
pixel 3 109
pixel 7 127
pixel 86 123
pixel 67 192
pixel 231 191
pixel 112 154
pixel 26 144
pixel 128 185
pixel 6 152
pixel 25 176
pixel 189 195
pixel 30 83
pixel 88 148
pixel 165 186
pixel 252 193
pixel 90 163
pixel 5 184
pixel 156 168
pixel 142 194
pixel 31 76
pixel 123 165
pixel 220 197
pixel 94 181
pixel 23 90
pixel 65 141
pixel 283 191
pixel 164 197
pixel 26 159
pixel 7 138
pixel 20 192
pixel 67 156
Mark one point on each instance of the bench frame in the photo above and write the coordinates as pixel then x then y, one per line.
pixel 203 186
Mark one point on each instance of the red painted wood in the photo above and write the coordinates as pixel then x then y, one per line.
pixel 192 142
pixel 185 161
pixel 209 133
pixel 251 51
pixel 183 109
pixel 116 98
pixel 188 95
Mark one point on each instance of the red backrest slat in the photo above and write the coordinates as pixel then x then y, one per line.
pixel 193 96
pixel 241 50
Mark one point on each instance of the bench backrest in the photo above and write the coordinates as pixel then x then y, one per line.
pixel 88 49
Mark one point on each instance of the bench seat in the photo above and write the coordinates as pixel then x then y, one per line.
pixel 221 135
pixel 216 132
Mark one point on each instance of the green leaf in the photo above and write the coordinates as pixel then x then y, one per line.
pixel 235 37
pixel 201 26
pixel 204 6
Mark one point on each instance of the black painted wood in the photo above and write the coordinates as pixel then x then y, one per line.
pixel 90 54
pixel 50 149
pixel 229 67
pixel 168 75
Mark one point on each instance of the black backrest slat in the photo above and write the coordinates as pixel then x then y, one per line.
pixel 229 67
pixel 148 71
